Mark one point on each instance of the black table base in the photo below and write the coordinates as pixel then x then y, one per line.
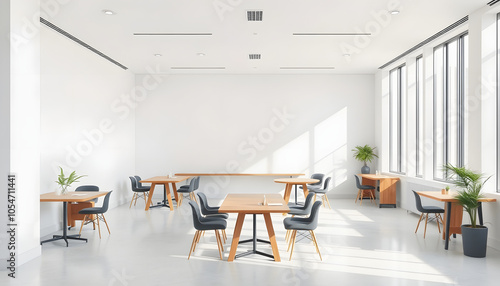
pixel 254 240
pixel 65 235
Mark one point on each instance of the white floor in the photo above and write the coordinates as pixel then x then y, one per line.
pixel 361 245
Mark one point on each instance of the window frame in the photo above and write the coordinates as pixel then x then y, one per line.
pixel 399 114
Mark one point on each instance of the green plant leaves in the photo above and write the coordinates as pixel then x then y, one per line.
pixel 364 153
pixel 66 182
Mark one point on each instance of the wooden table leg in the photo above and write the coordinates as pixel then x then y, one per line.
pixel 272 236
pixel 151 191
pixel 169 197
pixel 236 236
pixel 306 192
pixel 174 188
pixel 288 190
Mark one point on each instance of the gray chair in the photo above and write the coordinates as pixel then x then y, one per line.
pixel 300 210
pixel 142 191
pixel 437 211
pixel 211 212
pixel 322 192
pixel 304 224
pixel 96 214
pixel 361 191
pixel 139 184
pixel 88 188
pixel 193 186
pixel 317 185
pixel 202 224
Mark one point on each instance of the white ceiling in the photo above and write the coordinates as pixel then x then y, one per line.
pixel 233 37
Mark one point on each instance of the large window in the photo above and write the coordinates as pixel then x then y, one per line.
pixel 397 119
pixel 419 148
pixel 450 88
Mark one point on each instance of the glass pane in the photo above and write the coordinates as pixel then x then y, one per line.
pixel 438 111
pixel 393 120
pixel 420 118
pixel 452 108
pixel 402 120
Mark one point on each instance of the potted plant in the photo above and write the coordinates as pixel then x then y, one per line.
pixel 364 154
pixel 470 183
pixel 64 182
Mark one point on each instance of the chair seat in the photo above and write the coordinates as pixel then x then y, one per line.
pixel 184 190
pixel 141 190
pixel 95 210
pixel 366 187
pixel 211 224
pixel 218 215
pixel 298 211
pixel 297 224
pixel 433 209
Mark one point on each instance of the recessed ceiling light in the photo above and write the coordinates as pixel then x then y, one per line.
pixel 158 55
pixel 201 54
pixel 108 12
pixel 394 12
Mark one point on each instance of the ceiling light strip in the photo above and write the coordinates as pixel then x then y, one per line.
pixel 198 68
pixel 307 68
pixel 80 42
pixel 491 3
pixel 332 34
pixel 428 40
pixel 172 34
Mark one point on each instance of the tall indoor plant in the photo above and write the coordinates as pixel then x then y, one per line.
pixel 470 184
pixel 64 182
pixel 364 154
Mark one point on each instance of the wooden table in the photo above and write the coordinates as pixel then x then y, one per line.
pixel 387 188
pixel 453 212
pixel 240 174
pixel 244 204
pixel 164 180
pixel 295 181
pixel 65 199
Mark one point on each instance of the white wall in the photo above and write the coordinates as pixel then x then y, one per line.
pixel 79 130
pixel 212 123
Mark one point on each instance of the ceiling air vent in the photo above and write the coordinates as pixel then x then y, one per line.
pixel 254 56
pixel 253 16
pixel 491 3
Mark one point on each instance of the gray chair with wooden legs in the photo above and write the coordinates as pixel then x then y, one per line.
pixel 317 185
pixel 437 211
pixel 322 192
pixel 194 184
pixel 211 212
pixel 96 214
pixel 361 191
pixel 202 224
pixel 88 188
pixel 299 210
pixel 305 224
pixel 139 191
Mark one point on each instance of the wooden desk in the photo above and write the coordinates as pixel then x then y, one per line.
pixel 65 199
pixel 295 181
pixel 453 212
pixel 243 204
pixel 164 180
pixel 387 188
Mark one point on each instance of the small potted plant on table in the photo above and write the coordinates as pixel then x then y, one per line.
pixel 64 182
pixel 364 154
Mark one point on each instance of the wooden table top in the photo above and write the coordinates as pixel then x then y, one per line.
pixel 296 180
pixel 377 177
pixel 450 197
pixel 71 196
pixel 165 179
pixel 239 174
pixel 252 204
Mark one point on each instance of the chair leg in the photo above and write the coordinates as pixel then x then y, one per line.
pixel 197 236
pixel 316 244
pixel 426 218
pixel 179 203
pixel 193 244
pixel 294 236
pixel 224 235
pixel 314 197
pixel 361 195
pixel 194 197
pixel 83 221
pixel 292 232
pixel 287 234
pixel 99 227
pixel 437 221
pixel 327 201
pixel 106 223
pixel 419 220
pixel 219 243
pixel 132 200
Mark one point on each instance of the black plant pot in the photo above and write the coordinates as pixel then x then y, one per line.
pixel 474 240
pixel 365 170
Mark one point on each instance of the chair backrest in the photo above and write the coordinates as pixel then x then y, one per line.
pixel 133 182
pixel 319 177
pixel 358 183
pixel 105 204
pixel 87 188
pixel 197 185
pixel 203 203
pixel 313 218
pixel 327 184
pixel 196 215
pixel 418 202
pixel 193 184
pixel 138 179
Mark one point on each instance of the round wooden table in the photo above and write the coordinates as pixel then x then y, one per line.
pixel 295 181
